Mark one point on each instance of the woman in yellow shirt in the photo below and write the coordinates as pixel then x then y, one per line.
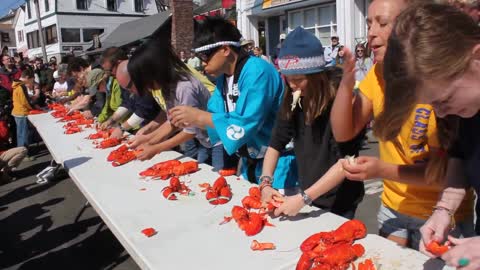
pixel 407 199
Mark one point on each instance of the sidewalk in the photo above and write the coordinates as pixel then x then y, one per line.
pixel 38 229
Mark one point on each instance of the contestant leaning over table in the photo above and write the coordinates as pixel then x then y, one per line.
pixel 134 111
pixel 154 65
pixel 408 196
pixel 114 94
pixel 242 110
pixel 451 84
pixel 305 117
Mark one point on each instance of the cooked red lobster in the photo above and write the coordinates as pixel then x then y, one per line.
pixel 366 265
pixel 175 187
pixel 167 169
pixel 110 142
pixel 32 112
pixel 219 193
pixel 101 134
pixel 436 248
pixel 72 130
pixel 333 250
pixel 122 155
pixel 250 222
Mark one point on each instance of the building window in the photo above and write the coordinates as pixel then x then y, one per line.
pixel 33 40
pixel 82 4
pixel 70 34
pixel 20 36
pixel 112 5
pixel 29 10
pixel 320 21
pixel 47 6
pixel 50 34
pixel 88 33
pixel 138 5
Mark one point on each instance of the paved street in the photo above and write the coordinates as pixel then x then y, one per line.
pixel 39 229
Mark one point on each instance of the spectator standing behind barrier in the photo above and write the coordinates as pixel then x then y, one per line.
pixel 8 72
pixel 194 62
pixel 331 51
pixel 258 52
pixel 363 63
pixel 22 106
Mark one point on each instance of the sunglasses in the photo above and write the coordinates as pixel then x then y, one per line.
pixel 360 50
pixel 206 55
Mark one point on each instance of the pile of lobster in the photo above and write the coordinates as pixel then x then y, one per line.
pixel 107 143
pixel 166 169
pixel 334 250
pixel 100 134
pixel 122 155
pixel 248 220
pixel 219 193
pixel 59 110
pixel 32 112
pixel 176 187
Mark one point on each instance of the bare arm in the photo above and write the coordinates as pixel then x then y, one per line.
pixel 270 162
pixel 348 118
pixel 153 125
pixel 178 139
pixel 161 133
pixel 455 191
pixel 332 178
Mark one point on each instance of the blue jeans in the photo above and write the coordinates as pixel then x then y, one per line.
pixel 394 223
pixel 190 148
pixel 217 157
pixel 22 130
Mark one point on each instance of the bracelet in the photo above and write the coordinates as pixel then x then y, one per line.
pixel 265 181
pixel 449 212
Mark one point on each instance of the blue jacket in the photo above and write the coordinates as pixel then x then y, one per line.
pixel 260 95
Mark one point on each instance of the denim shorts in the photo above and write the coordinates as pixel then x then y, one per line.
pixel 391 222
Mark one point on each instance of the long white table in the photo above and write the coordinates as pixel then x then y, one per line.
pixel 188 232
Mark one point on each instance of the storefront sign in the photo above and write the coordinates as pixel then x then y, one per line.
pixel 274 3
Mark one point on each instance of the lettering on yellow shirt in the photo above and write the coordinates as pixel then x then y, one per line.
pixel 418 134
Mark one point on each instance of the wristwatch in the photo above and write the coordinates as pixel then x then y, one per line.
pixel 123 129
pixel 306 199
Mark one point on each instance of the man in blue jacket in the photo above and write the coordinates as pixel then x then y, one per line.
pixel 242 110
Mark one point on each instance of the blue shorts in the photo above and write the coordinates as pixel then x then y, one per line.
pixel 391 222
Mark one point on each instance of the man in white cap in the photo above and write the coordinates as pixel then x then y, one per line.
pixel 332 51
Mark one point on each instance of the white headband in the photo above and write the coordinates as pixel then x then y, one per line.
pixel 214 45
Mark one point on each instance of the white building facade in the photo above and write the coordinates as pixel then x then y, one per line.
pixel 343 18
pixel 69 25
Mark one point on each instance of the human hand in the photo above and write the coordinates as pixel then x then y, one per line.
pixel 87 114
pixel 364 168
pixel 184 116
pixel 348 77
pixel 116 133
pixel 107 124
pixel 290 206
pixel 269 193
pixel 137 140
pixel 463 249
pixel 435 229
pixel 148 152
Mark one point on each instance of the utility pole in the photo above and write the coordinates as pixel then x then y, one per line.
pixel 40 30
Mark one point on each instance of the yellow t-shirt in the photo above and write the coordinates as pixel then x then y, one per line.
pixel 416 137
pixel 157 93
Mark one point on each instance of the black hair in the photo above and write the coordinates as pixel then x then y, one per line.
pixel 113 55
pixel 76 64
pixel 215 29
pixel 156 62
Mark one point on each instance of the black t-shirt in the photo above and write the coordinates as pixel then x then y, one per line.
pixel 316 151
pixel 467 148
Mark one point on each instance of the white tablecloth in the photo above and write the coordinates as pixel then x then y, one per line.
pixel 188 232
